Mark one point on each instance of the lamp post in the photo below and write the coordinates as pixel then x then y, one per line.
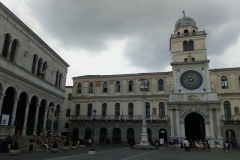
pixel 92 149
pixel 144 88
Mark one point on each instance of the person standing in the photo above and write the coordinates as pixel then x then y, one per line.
pixel 226 145
pixel 161 142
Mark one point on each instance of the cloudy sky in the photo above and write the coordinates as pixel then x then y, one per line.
pixel 128 36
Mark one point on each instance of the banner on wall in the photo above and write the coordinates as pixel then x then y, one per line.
pixel 5 119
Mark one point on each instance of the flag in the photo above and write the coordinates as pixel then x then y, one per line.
pixel 43 72
pixel 121 118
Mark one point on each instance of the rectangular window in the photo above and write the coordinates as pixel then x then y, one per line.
pixel 69 96
pixel 66 125
pixel 185 59
pixel 68 112
pixel 193 59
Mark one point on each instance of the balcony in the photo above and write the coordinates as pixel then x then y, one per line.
pixel 188 34
pixel 121 118
pixel 233 118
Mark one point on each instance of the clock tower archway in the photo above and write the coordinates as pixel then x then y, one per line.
pixel 194 126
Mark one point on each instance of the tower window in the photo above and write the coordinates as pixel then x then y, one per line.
pixel 79 88
pixel 160 85
pixel 185 46
pixel 186 32
pixel 130 86
pixel 193 32
pixel 185 59
pixel 188 46
pixel 117 86
pixel 224 82
pixel 193 59
pixel 105 87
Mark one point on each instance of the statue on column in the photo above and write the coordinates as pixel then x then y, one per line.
pixel 213 88
pixel 171 89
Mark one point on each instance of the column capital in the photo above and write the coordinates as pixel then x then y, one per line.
pixel 16 99
pixel 28 102
pixel 2 95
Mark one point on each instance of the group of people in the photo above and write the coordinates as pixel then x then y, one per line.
pixel 227 146
pixel 189 144
pixel 45 140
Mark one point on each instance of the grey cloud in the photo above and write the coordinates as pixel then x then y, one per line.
pixel 148 24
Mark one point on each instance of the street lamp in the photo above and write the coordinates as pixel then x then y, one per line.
pixel 92 149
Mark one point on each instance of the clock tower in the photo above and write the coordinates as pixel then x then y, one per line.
pixel 193 103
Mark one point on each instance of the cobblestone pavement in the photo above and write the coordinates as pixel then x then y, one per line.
pixel 118 152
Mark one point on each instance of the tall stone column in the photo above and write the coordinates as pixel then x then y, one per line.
pixel 218 125
pixel 177 123
pixel 14 111
pixel 25 118
pixel 53 112
pixel 36 120
pixel 172 123
pixel 1 102
pixel 45 119
pixel 59 121
pixel 212 135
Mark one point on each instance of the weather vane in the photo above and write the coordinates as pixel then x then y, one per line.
pixel 183 12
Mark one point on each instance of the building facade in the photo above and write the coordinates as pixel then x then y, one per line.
pixel 32 80
pixel 190 101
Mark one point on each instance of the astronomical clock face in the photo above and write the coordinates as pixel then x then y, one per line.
pixel 191 80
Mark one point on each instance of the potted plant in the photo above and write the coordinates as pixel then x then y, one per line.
pixel 55 147
pixel 81 143
pixel 14 151
pixel 73 146
pixel 66 145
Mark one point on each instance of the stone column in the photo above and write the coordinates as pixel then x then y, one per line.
pixel 171 122
pixel 218 125
pixel 59 120
pixel 212 135
pixel 53 112
pixel 9 50
pixel 36 120
pixel 45 119
pixel 177 123
pixel 25 118
pixel 14 111
pixel 1 102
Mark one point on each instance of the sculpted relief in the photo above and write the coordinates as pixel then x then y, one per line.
pixel 193 98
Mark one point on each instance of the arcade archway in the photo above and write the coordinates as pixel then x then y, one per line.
pixel 163 134
pixel 103 135
pixel 88 133
pixel 194 126
pixel 75 133
pixel 116 137
pixel 130 135
pixel 230 136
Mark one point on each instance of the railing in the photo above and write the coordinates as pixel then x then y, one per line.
pixel 119 118
pixel 188 34
pixel 231 118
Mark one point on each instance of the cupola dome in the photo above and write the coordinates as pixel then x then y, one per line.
pixel 185 21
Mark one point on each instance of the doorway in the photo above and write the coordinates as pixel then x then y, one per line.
pixel 194 126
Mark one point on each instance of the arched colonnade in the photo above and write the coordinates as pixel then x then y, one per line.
pixel 26 112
